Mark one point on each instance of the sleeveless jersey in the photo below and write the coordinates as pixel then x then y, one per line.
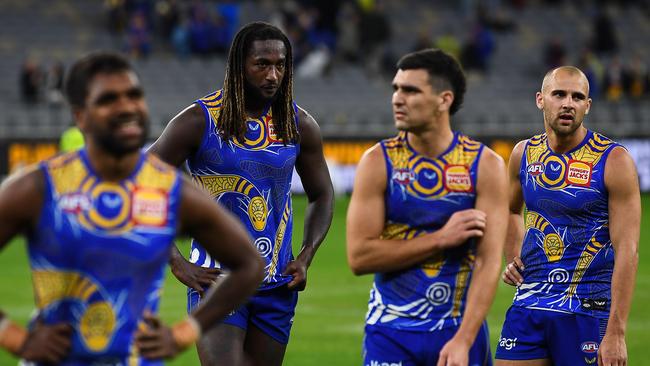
pixel 421 195
pixel 99 253
pixel 252 179
pixel 566 250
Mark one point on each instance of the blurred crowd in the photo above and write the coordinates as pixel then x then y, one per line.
pixel 325 33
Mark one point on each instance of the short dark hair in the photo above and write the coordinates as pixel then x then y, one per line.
pixel 83 70
pixel 445 73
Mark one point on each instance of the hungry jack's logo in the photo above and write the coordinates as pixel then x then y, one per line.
pixel 457 178
pixel 579 173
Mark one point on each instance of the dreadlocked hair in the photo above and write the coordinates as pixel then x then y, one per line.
pixel 232 118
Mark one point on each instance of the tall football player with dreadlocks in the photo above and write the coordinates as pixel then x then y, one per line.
pixel 241 144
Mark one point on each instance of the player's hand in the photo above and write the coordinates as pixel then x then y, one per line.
pixel 512 274
pixel 47 343
pixel 155 340
pixel 193 276
pixel 461 226
pixel 454 353
pixel 612 351
pixel 298 270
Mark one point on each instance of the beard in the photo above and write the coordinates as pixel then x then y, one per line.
pixel 116 146
pixel 256 94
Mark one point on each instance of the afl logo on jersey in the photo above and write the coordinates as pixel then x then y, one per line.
pixel 75 202
pixel 457 178
pixel 403 176
pixel 579 173
pixel 535 169
pixel 589 347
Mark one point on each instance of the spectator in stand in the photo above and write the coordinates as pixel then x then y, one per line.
pixel 30 81
pixel 554 53
pixel 139 37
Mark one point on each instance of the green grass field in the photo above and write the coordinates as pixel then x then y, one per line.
pixel 328 325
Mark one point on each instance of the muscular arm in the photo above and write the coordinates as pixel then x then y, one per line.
pixel 515 233
pixel 622 185
pixel 316 181
pixel 21 200
pixel 205 220
pixel 180 139
pixel 491 194
pixel 366 251
pixel 182 136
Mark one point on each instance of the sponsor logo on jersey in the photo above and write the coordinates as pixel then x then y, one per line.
pixel 589 347
pixel 403 176
pixel 272 135
pixel 590 361
pixel 535 169
pixel 149 207
pixel 75 202
pixel 379 363
pixel 457 178
pixel 578 173
pixel 594 304
pixel 508 343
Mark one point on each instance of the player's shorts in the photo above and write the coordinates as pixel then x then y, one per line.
pixel 397 347
pixel 271 311
pixel 564 338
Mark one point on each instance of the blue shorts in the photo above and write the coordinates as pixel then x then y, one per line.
pixel 396 347
pixel 564 338
pixel 271 311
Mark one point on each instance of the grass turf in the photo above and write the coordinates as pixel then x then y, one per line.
pixel 328 326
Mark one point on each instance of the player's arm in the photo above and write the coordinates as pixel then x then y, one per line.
pixel 21 199
pixel 180 139
pixel 515 235
pixel 182 136
pixel 316 181
pixel 622 185
pixel 205 220
pixel 367 252
pixel 491 198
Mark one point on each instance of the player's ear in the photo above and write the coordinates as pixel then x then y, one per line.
pixel 588 106
pixel 80 118
pixel 539 100
pixel 446 100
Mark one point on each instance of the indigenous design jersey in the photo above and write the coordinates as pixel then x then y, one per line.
pixel 421 195
pixel 99 252
pixel 566 249
pixel 252 179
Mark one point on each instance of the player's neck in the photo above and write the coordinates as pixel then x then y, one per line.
pixel 433 141
pixel 561 144
pixel 109 167
pixel 255 108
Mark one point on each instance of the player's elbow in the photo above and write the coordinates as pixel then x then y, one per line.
pixel 251 271
pixel 357 263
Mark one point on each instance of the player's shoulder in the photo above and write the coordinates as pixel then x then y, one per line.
pixel 24 185
pixel 304 118
pixel 373 155
pixel 159 165
pixel 213 99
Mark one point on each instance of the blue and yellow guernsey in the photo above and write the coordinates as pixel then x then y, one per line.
pixel 252 179
pixel 99 253
pixel 567 252
pixel 421 195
